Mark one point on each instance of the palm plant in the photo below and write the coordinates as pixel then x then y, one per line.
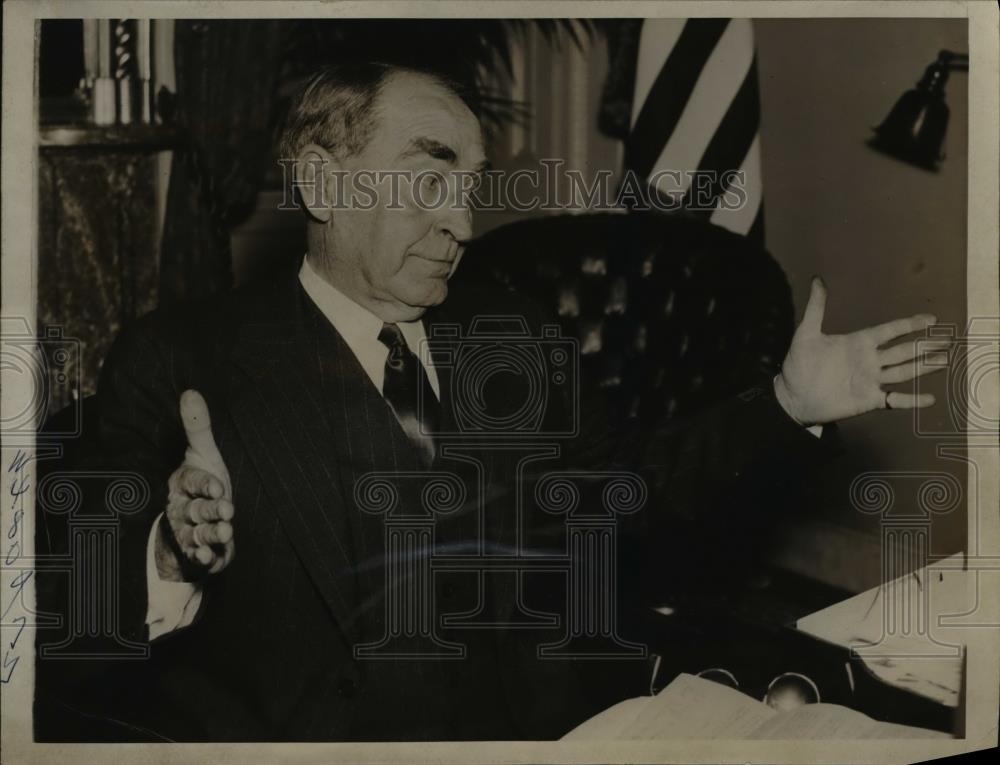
pixel 467 51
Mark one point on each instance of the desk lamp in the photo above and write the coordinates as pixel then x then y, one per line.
pixel 915 128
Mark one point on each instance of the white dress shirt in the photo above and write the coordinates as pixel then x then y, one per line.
pixel 173 605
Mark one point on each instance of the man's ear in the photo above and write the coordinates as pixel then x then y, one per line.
pixel 316 179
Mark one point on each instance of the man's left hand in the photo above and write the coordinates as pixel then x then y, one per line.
pixel 832 377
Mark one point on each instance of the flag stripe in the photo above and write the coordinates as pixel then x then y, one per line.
pixel 669 94
pixel 656 39
pixel 719 83
pixel 733 138
pixel 743 219
pixel 696 116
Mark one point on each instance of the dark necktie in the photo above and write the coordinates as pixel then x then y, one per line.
pixel 408 391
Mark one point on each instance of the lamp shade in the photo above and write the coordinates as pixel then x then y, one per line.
pixel 914 130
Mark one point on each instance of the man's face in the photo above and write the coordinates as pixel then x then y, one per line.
pixel 396 257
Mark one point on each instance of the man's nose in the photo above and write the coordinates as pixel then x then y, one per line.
pixel 455 219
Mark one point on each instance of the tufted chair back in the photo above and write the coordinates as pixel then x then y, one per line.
pixel 671 313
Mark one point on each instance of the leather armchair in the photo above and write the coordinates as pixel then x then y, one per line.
pixel 671 313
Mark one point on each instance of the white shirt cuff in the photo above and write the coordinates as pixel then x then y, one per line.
pixel 172 605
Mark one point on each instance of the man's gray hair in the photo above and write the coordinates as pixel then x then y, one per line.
pixel 336 108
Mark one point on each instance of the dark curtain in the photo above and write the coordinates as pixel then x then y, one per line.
pixel 227 73
pixel 622 36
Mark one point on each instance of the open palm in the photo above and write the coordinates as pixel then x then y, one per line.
pixel 832 377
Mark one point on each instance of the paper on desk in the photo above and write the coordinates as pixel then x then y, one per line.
pixel 894 628
pixel 832 721
pixel 692 707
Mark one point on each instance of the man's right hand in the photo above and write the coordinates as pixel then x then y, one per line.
pixel 199 503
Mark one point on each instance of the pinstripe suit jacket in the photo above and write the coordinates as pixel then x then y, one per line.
pixel 269 656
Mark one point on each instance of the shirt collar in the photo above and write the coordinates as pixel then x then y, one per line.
pixel 360 327
pixel 355 323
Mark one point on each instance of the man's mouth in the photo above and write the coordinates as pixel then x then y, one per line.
pixel 437 267
pixel 447 256
pixel 434 259
pixel 444 261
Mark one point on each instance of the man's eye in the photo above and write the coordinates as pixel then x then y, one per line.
pixel 431 182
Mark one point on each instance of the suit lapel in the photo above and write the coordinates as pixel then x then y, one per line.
pixel 275 399
pixel 367 439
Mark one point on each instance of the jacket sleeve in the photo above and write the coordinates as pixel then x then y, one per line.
pixel 718 483
pixel 139 431
pixel 745 442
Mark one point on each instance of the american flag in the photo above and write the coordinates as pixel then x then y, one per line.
pixel 696 109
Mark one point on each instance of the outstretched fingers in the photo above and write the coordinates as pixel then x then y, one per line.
pixel 897 400
pixel 911 370
pixel 885 333
pixel 897 354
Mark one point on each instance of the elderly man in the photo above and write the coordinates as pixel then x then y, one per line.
pixel 254 571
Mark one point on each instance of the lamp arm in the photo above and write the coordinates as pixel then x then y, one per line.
pixel 954 62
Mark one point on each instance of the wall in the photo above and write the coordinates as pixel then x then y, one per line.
pixel 888 238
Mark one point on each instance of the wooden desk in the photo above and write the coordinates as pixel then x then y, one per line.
pixel 895 630
pixel 755 654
